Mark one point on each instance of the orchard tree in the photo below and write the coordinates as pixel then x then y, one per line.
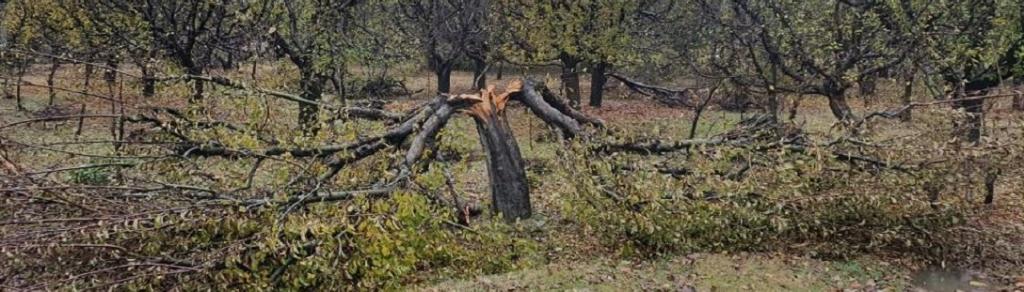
pixel 310 33
pixel 574 33
pixel 977 46
pixel 186 32
pixel 442 29
pixel 820 47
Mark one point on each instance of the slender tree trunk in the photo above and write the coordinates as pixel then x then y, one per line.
pixel 773 107
pixel 868 84
pixel 796 106
pixel 570 79
pixel 17 86
pixel 1018 98
pixel 906 98
pixel 479 73
pixel 597 82
pixel 312 88
pixel 501 71
pixel 148 81
pixel 443 71
pixel 50 82
pixel 338 81
pixel 88 77
pixel 975 112
pixel 510 191
pixel 198 86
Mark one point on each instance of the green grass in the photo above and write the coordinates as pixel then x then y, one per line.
pixel 704 272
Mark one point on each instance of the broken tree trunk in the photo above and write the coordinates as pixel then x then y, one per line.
pixel 510 192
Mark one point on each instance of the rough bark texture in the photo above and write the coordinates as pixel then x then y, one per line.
pixel 312 88
pixel 510 192
pixel 50 80
pixel 479 73
pixel 836 94
pixel 570 79
pixel 908 91
pixel 1018 98
pixel 198 85
pixel 444 77
pixel 868 84
pixel 1018 101
pixel 148 81
pixel 597 82
pixel 774 107
pixel 972 129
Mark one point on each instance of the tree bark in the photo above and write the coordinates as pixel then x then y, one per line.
pixel 510 191
pixel 479 73
pixel 197 85
pixel 312 88
pixel 1018 98
pixel 501 71
pixel 975 114
pixel 88 77
pixel 597 82
pixel 908 91
pixel 443 71
pixel 148 81
pixel 774 107
pixel 868 84
pixel 570 79
pixel 50 80
pixel 17 86
pixel 836 94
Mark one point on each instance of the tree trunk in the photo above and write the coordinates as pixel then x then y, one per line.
pixel 479 73
pixel 338 81
pixel 501 71
pixel 148 81
pixel 50 80
pixel 444 77
pixel 1018 97
pixel 570 79
pixel 17 86
pixel 510 192
pixel 840 109
pixel 908 91
pixel 975 113
pixel 836 94
pixel 197 85
pixel 774 107
pixel 88 77
pixel 597 82
pixel 1018 101
pixel 312 88
pixel 868 84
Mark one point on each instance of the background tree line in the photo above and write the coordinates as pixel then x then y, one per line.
pixel 762 50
